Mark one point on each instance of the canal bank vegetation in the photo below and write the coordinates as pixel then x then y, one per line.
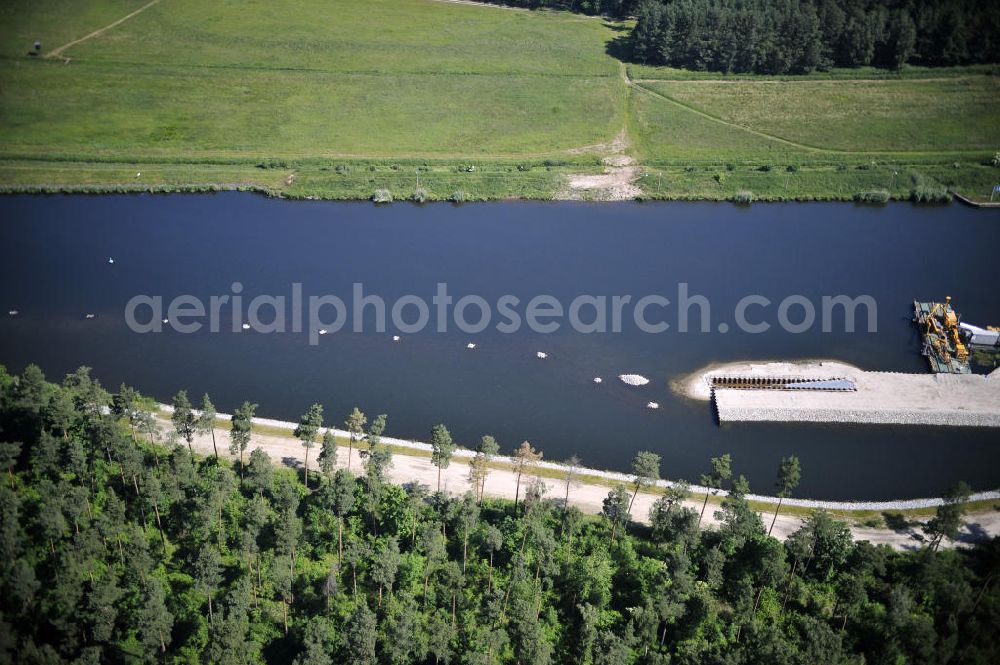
pixel 858 517
pixel 339 100
pixel 116 549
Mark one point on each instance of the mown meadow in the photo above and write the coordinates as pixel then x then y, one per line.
pixel 339 99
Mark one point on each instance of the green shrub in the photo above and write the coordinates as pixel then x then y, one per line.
pixel 791 168
pixel 272 164
pixel 342 168
pixel 765 168
pixel 719 177
pixel 873 522
pixel 524 167
pixel 929 194
pixel 872 196
pixel 419 195
pixel 458 196
pixel 382 196
pixel 743 197
pixel 996 160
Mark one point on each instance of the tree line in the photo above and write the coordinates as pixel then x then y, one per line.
pixel 119 544
pixel 800 36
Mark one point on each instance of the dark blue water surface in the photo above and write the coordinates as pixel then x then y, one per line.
pixel 55 270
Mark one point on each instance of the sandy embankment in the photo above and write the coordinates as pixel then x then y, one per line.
pixel 587 496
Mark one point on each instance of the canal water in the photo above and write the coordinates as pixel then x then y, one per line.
pixel 55 271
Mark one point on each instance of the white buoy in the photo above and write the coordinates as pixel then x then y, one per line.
pixel 598 379
pixel 634 379
pixel 12 312
pixel 166 320
pixel 652 405
pixel 322 331
pixel 542 354
pixel 395 338
pixel 89 316
pixel 470 345
pixel 246 326
pixel 138 175
pixel 110 260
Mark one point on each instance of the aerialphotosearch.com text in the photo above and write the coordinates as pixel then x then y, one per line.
pixel 410 314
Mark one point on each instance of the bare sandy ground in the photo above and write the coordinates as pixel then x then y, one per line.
pixel 617 183
pixel 587 497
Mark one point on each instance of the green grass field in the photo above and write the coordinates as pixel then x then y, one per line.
pixel 910 115
pixel 341 97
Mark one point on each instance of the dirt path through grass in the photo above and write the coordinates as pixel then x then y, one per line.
pixel 483 4
pixel 58 52
pixel 638 85
pixel 618 181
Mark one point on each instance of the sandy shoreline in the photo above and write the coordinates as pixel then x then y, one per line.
pixel 587 496
pixel 696 384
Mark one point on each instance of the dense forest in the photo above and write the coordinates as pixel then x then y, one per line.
pixel 800 36
pixel 119 544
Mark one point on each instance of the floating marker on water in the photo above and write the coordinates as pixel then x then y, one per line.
pixel 12 312
pixel 110 260
pixel 166 320
pixel 470 345
pixel 634 379
pixel 322 331
pixel 89 316
pixel 246 326
pixel 598 379
pixel 542 354
pixel 395 338
pixel 652 405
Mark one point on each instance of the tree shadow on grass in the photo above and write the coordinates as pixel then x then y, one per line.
pixel 619 48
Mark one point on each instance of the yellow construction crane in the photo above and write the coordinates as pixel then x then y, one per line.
pixel 941 331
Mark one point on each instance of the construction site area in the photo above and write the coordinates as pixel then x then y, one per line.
pixel 834 392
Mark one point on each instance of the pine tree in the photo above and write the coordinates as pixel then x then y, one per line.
pixel 308 427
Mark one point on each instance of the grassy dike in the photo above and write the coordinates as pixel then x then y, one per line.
pixel 859 518
pixel 440 101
